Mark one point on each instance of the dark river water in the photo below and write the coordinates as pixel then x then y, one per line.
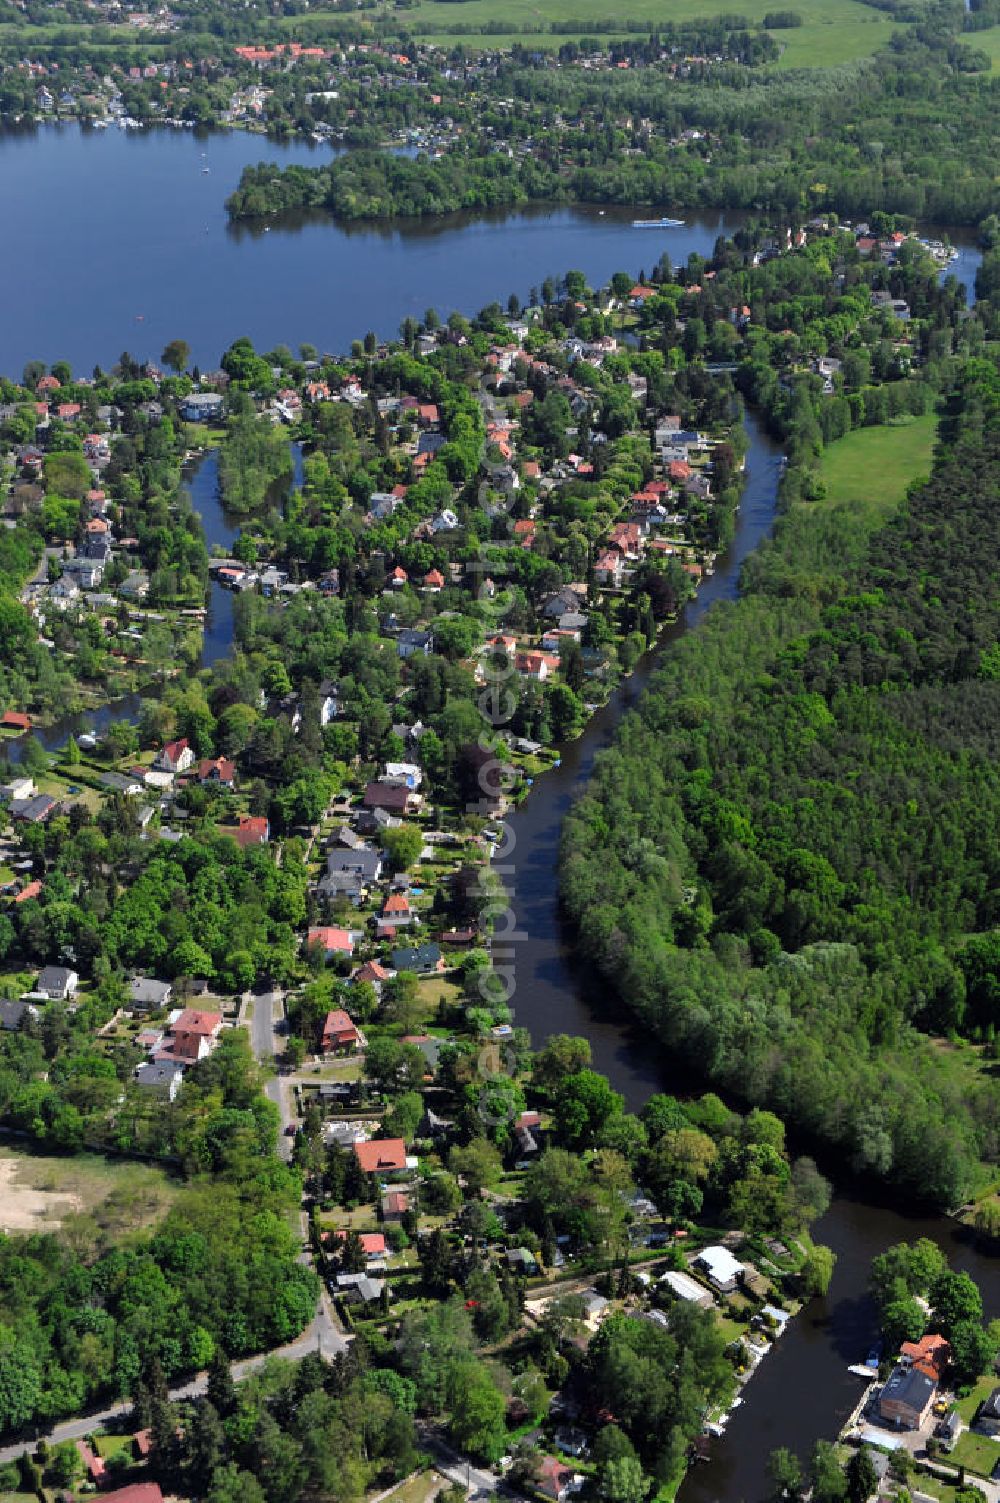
pixel 121 242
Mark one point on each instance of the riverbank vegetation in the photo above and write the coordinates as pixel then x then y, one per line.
pixel 792 900
pixel 254 462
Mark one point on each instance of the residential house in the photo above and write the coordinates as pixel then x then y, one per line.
pixel 218 770
pixel 340 1036
pixel 329 702
pixel 372 1243
pixel 341 884
pixel 906 1397
pixel 161 1078
pixel 121 782
pixel 19 788
pixel 86 573
pixel 201 407
pixel 148 995
pixel 191 1035
pixel 609 568
pixel 394 798
pixel 331 940
pixel 361 861
pixel 423 959
pixel 433 582
pixel 252 829
pixel 722 1268
pixel 57 982
pixel 371 972
pixel 687 1288
pixel 93 1464
pixel 135 1492
pixel 932 1354
pixel 396 914
pixel 536 665
pixel 410 642
pixel 34 810
pixel 359 1288
pixel 406 773
pixel 395 1205
pixel 568 598
pixel 381 1155
pixel 13 1015
pixel 176 756
pixel 557 1481
pixel 556 636
pixel 32 890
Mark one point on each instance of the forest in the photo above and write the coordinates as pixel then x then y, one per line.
pixel 745 139
pixel 90 1313
pixel 786 866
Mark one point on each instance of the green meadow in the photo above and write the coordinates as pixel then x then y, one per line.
pixel 874 466
pixel 833 31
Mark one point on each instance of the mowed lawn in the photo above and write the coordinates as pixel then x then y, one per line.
pixel 874 466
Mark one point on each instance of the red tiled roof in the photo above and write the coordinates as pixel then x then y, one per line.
pixel 392 796
pixel 371 971
pixel 252 830
pixel 331 939
pixel 339 1028
pixel 31 891
pixel 219 767
pixel 931 1354
pixel 381 1154
pixel 195 1020
pixel 135 1492
pixel 372 1243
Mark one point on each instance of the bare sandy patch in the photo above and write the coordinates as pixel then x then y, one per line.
pixel 24 1209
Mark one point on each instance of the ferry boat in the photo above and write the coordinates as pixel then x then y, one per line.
pixel 657 224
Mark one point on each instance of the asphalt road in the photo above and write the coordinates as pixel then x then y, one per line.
pixel 268 1013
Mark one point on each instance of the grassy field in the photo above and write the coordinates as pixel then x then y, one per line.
pixel 876 465
pixel 39 1191
pixel 833 31
pixel 985 41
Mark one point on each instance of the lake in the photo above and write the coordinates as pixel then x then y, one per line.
pixel 123 243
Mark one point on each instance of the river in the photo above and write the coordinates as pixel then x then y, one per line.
pixel 162 262
pixel 803 1391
